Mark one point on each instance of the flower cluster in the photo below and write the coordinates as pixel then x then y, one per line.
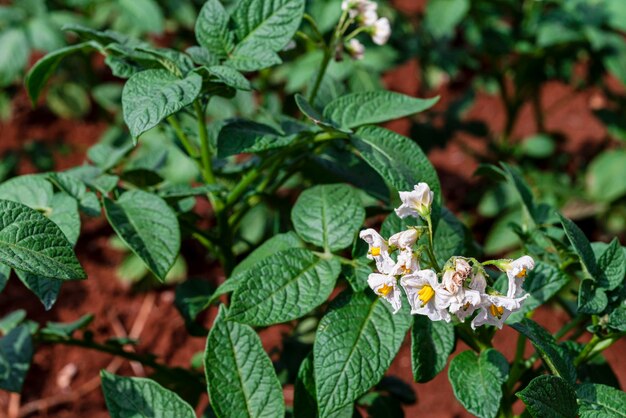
pixel 365 14
pixel 460 289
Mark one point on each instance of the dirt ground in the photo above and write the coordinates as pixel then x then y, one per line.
pixel 152 317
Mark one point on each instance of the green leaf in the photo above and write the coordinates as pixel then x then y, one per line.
pixel 477 381
pixel 13 54
pixel 517 182
pixel 148 226
pixel 5 272
pixel 143 15
pixel 617 318
pixel 11 320
pixel 282 287
pixel 612 264
pixel 582 247
pixel 152 95
pixel 252 56
pixel 241 378
pixel 449 239
pixel 31 242
pixel 65 330
pixel 128 397
pixel 44 68
pixel 268 23
pixel 431 344
pixel 555 356
pixel 370 107
pixel 310 112
pixel 328 216
pixel 601 174
pixel 229 77
pixel 87 201
pixel 549 396
pixel 600 401
pixel 304 403
pixel 592 299
pixel 192 297
pixel 354 346
pixel 399 160
pixel 212 29
pixel 543 282
pixel 16 352
pixel 442 16
pixel 31 190
pixel 47 289
pixel 242 136
pixel 273 245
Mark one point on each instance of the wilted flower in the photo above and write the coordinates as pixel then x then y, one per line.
pixel 381 31
pixel 416 202
pixel 424 294
pixel 378 250
pixel 387 288
pixel 356 49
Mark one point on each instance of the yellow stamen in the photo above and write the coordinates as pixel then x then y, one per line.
pixel 425 294
pixel 466 306
pixel 496 311
pixel 384 290
pixel 521 274
pixel 406 270
pixel 375 251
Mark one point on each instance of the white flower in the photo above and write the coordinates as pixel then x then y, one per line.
pixel 356 49
pixel 516 271
pixel 416 202
pixel 368 17
pixel 407 263
pixel 358 7
pixel 478 283
pixel 495 309
pixel 381 31
pixel 404 239
pixel 387 288
pixel 378 250
pixel 424 294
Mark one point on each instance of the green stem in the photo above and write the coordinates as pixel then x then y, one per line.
pixel 431 248
pixel 182 137
pixel 320 75
pixel 595 340
pixel 518 363
pixel 205 150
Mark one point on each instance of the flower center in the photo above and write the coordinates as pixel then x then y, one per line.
pixel 406 270
pixel 496 311
pixel 375 251
pixel 385 289
pixel 425 294
pixel 521 274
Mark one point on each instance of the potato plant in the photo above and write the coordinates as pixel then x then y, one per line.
pixel 367 254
